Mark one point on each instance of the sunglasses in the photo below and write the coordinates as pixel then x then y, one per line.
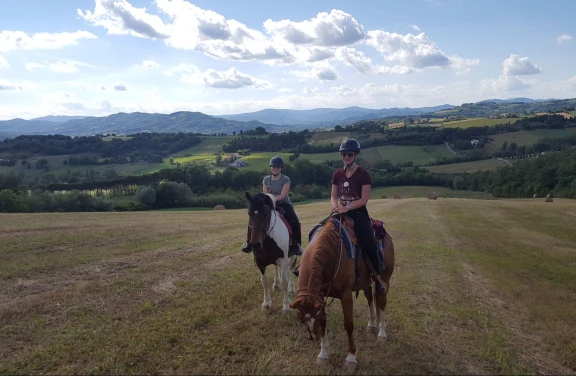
pixel 350 155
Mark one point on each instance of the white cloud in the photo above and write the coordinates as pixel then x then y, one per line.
pixel 9 85
pixel 182 68
pixel 415 27
pixel 19 40
pixel 352 57
pixel 321 71
pixel 285 90
pixel 59 66
pixel 120 17
pixel 149 64
pixel 333 29
pixel 516 65
pixel 120 87
pixel 229 79
pixel 463 66
pixel 309 90
pixel 4 63
pixel 504 83
pixel 563 38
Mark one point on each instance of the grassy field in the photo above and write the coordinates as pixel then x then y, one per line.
pixel 416 154
pixel 417 191
pixel 327 138
pixel 486 164
pixel 208 146
pixel 478 122
pixel 480 287
pixel 525 137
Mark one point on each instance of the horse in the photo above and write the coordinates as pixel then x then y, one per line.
pixel 270 238
pixel 327 271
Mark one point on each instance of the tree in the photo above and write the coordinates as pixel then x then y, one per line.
pixel 146 195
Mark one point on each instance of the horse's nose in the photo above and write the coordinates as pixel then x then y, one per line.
pixel 257 246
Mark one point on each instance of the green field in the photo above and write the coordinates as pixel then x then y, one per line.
pixel 208 146
pixel 480 287
pixel 486 164
pixel 327 138
pixel 416 154
pixel 527 138
pixel 417 191
pixel 478 122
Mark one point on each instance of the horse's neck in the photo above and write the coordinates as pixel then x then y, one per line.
pixel 277 230
pixel 323 265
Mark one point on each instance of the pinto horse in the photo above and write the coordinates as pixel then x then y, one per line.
pixel 270 240
pixel 327 271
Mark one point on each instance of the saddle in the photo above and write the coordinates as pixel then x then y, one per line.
pixel 350 240
pixel 281 214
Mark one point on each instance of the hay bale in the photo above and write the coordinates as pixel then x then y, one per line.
pixel 397 196
pixel 219 207
pixel 432 196
pixel 549 199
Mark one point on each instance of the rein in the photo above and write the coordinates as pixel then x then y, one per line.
pixel 266 228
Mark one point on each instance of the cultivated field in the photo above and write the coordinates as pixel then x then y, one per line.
pixel 485 164
pixel 527 138
pixel 480 287
pixel 478 122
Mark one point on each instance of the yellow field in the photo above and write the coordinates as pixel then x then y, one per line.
pixel 478 122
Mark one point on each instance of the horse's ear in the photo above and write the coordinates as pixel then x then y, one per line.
pixel 296 303
pixel 248 196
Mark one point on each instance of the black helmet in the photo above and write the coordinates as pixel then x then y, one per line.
pixel 277 161
pixel 350 145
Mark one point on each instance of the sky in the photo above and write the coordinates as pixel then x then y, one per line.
pixel 99 57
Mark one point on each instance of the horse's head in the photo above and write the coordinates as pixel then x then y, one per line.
pixel 260 212
pixel 311 312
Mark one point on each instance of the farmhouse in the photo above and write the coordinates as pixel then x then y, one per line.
pixel 474 142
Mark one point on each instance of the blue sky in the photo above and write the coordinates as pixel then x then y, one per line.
pixel 98 57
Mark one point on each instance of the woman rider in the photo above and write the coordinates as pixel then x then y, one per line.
pixel 350 193
pixel 278 185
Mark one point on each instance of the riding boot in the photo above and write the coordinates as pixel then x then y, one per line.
pixel 246 247
pixel 296 249
pixel 380 289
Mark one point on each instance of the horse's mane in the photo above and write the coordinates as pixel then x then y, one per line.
pixel 324 252
pixel 262 199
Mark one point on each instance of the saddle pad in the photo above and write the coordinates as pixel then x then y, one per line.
pixel 286 223
pixel 350 247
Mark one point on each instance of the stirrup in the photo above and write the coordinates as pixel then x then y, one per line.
pixel 246 248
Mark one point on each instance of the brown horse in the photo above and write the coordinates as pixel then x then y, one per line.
pixel 327 271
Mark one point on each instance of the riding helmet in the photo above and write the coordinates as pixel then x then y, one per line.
pixel 350 145
pixel 277 161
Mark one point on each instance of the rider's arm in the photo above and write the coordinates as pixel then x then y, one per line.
pixel 334 195
pixel 265 188
pixel 363 200
pixel 284 193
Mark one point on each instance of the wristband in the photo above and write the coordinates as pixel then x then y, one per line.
pixel 349 208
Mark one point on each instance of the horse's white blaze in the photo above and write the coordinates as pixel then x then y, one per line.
pixel 324 347
pixel 372 316
pixel 382 332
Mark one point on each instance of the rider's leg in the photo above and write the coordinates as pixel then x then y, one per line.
pixel 292 218
pixel 365 234
pixel 246 247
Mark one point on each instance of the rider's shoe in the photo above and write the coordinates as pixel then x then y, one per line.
pixel 246 247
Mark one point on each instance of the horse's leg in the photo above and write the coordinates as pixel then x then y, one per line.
pixel 284 284
pixel 381 301
pixel 291 287
pixel 277 284
pixel 347 310
pixel 267 304
pixel 372 325
pixel 324 347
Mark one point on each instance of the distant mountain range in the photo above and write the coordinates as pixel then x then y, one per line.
pixel 273 120
pixel 319 117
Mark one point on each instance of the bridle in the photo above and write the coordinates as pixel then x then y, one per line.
pixel 266 229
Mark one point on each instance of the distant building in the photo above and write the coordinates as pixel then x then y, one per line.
pixel 474 142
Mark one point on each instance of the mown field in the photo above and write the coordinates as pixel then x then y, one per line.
pixel 478 122
pixel 480 287
pixel 527 138
pixel 486 164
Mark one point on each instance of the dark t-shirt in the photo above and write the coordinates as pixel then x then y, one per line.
pixel 350 189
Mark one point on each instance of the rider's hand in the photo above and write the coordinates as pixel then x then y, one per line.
pixel 335 208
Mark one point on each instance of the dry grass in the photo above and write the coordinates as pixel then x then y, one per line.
pixel 481 287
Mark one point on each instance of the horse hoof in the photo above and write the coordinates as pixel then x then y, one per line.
pixel 321 361
pixel 382 339
pixel 292 292
pixel 372 330
pixel 287 311
pixel 276 288
pixel 351 366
